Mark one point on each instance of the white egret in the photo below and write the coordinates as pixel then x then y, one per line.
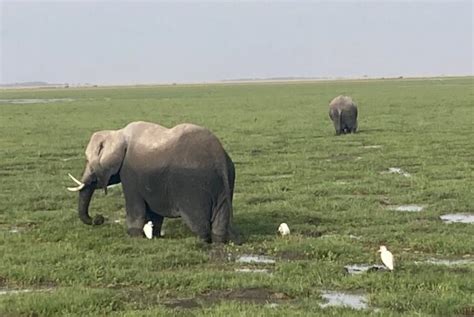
pixel 387 257
pixel 283 229
pixel 148 230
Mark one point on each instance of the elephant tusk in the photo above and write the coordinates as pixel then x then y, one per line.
pixel 74 179
pixel 76 189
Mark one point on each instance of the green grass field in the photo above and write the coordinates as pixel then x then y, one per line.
pixel 290 168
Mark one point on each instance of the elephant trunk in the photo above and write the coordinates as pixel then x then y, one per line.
pixel 86 189
pixel 85 196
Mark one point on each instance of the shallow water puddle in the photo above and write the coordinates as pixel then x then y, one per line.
pixel 277 176
pixel 33 101
pixel 461 218
pixel 67 159
pixel 6 291
pixel 344 299
pixel 396 170
pixel 14 291
pixel 247 270
pixel 362 268
pixel 409 208
pixel 249 258
pixel 447 262
pixel 372 146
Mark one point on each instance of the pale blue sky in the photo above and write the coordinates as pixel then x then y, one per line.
pixel 112 42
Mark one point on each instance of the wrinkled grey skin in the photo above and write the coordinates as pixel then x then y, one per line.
pixel 343 113
pixel 179 172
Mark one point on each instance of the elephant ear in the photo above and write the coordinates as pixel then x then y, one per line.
pixel 105 153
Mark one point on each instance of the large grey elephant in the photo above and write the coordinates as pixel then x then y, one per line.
pixel 343 113
pixel 179 172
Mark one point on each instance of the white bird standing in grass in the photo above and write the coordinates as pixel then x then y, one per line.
pixel 283 229
pixel 387 257
pixel 148 230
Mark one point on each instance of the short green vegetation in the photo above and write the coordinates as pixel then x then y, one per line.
pixel 331 190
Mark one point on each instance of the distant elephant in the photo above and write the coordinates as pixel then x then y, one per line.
pixel 179 172
pixel 343 113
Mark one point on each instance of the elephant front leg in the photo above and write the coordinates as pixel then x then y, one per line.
pixel 136 216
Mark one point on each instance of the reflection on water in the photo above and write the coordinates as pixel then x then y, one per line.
pixel 462 218
pixel 33 101
pixel 249 258
pixel 361 268
pixel 344 299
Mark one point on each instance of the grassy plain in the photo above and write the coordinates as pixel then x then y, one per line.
pixel 290 168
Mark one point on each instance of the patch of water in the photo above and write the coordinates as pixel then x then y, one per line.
pixel 33 101
pixel 246 270
pixel 71 159
pixel 249 258
pixel 362 268
pixel 372 146
pixel 409 208
pixel 396 170
pixel 278 176
pixel 6 291
pixel 14 291
pixel 344 299
pixel 461 218
pixel 447 262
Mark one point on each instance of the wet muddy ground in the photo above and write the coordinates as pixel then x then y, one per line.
pixel 244 295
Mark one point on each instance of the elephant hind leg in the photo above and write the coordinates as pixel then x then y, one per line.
pixel 234 235
pixel 222 230
pixel 200 227
pixel 354 128
pixel 156 219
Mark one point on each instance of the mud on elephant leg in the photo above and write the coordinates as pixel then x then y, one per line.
pixel 156 219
